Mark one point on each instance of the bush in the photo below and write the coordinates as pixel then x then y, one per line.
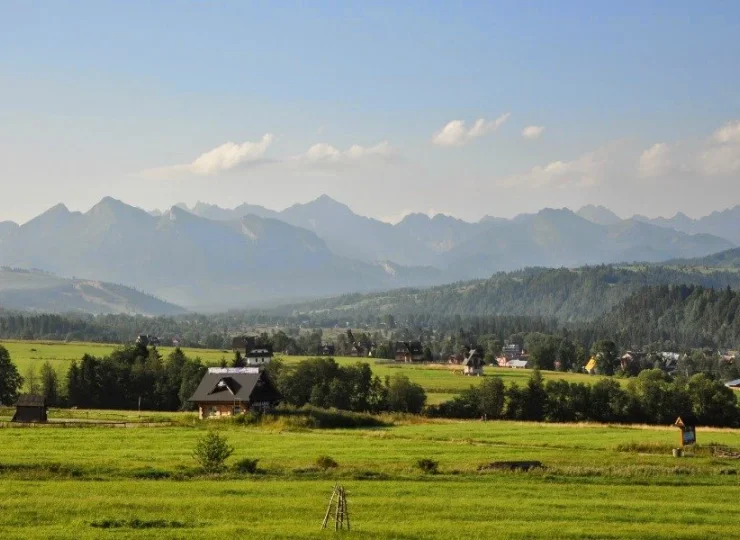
pixel 246 466
pixel 309 416
pixel 326 463
pixel 428 466
pixel 212 451
pixel 404 395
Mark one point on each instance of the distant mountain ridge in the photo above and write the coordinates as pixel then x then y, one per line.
pixel 463 249
pixel 724 224
pixel 210 258
pixel 193 261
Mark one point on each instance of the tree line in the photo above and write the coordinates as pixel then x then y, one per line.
pixel 650 398
pixel 138 377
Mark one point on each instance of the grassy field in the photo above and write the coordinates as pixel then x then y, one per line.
pixel 439 380
pixel 599 482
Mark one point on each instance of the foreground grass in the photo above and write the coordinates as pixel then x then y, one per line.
pixel 599 482
pixel 142 483
pixel 507 506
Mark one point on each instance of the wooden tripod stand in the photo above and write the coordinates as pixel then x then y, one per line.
pixel 337 503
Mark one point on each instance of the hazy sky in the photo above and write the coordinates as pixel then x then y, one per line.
pixel 457 107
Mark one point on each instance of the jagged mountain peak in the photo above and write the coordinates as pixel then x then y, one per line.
pixel 598 214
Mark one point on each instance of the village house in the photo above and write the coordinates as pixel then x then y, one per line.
pixel 243 343
pixel 473 363
pixel 512 356
pixel 409 351
pixel 518 364
pixel 457 358
pixel 30 408
pixel 512 351
pixel 361 349
pixel 227 392
pixel 590 366
pixel 326 349
pixel 630 358
pixel 258 357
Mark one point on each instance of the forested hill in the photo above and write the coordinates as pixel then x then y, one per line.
pixel 724 259
pixel 570 295
pixel 687 315
pixel 42 292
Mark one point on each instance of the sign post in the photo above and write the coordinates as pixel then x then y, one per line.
pixel 688 432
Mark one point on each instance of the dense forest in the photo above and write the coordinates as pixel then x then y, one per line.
pixel 568 295
pixel 687 315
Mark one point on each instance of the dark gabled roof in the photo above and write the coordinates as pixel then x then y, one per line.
pixel 233 384
pixel 258 353
pixel 30 400
pixel 416 348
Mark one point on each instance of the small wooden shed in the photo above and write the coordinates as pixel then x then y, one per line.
pixel 30 408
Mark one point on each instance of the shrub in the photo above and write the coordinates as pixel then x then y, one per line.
pixel 309 416
pixel 404 395
pixel 325 463
pixel 246 466
pixel 212 451
pixel 428 466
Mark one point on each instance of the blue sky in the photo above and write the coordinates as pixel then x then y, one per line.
pixel 121 98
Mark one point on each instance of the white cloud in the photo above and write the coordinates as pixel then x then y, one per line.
pixel 721 155
pixel 222 158
pixel 587 170
pixel 456 134
pixel 328 154
pixel 655 161
pixel 729 133
pixel 532 132
pixel 716 156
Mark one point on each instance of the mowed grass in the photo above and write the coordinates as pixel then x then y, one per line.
pixel 441 381
pixel 58 482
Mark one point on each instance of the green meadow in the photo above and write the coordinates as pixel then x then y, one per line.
pixel 80 479
pixel 440 381
pixel 598 482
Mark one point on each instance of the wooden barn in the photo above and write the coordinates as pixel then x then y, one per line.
pixel 409 351
pixel 231 391
pixel 30 408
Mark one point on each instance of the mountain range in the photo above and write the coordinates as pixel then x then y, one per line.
pixel 211 258
pixel 723 224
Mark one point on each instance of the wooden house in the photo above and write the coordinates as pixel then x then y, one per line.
pixel 326 349
pixel 409 351
pixel 632 358
pixel 243 344
pixel 473 363
pixel 30 408
pixel 512 351
pixel 231 391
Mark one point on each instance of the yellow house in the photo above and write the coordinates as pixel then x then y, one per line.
pixel 591 366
